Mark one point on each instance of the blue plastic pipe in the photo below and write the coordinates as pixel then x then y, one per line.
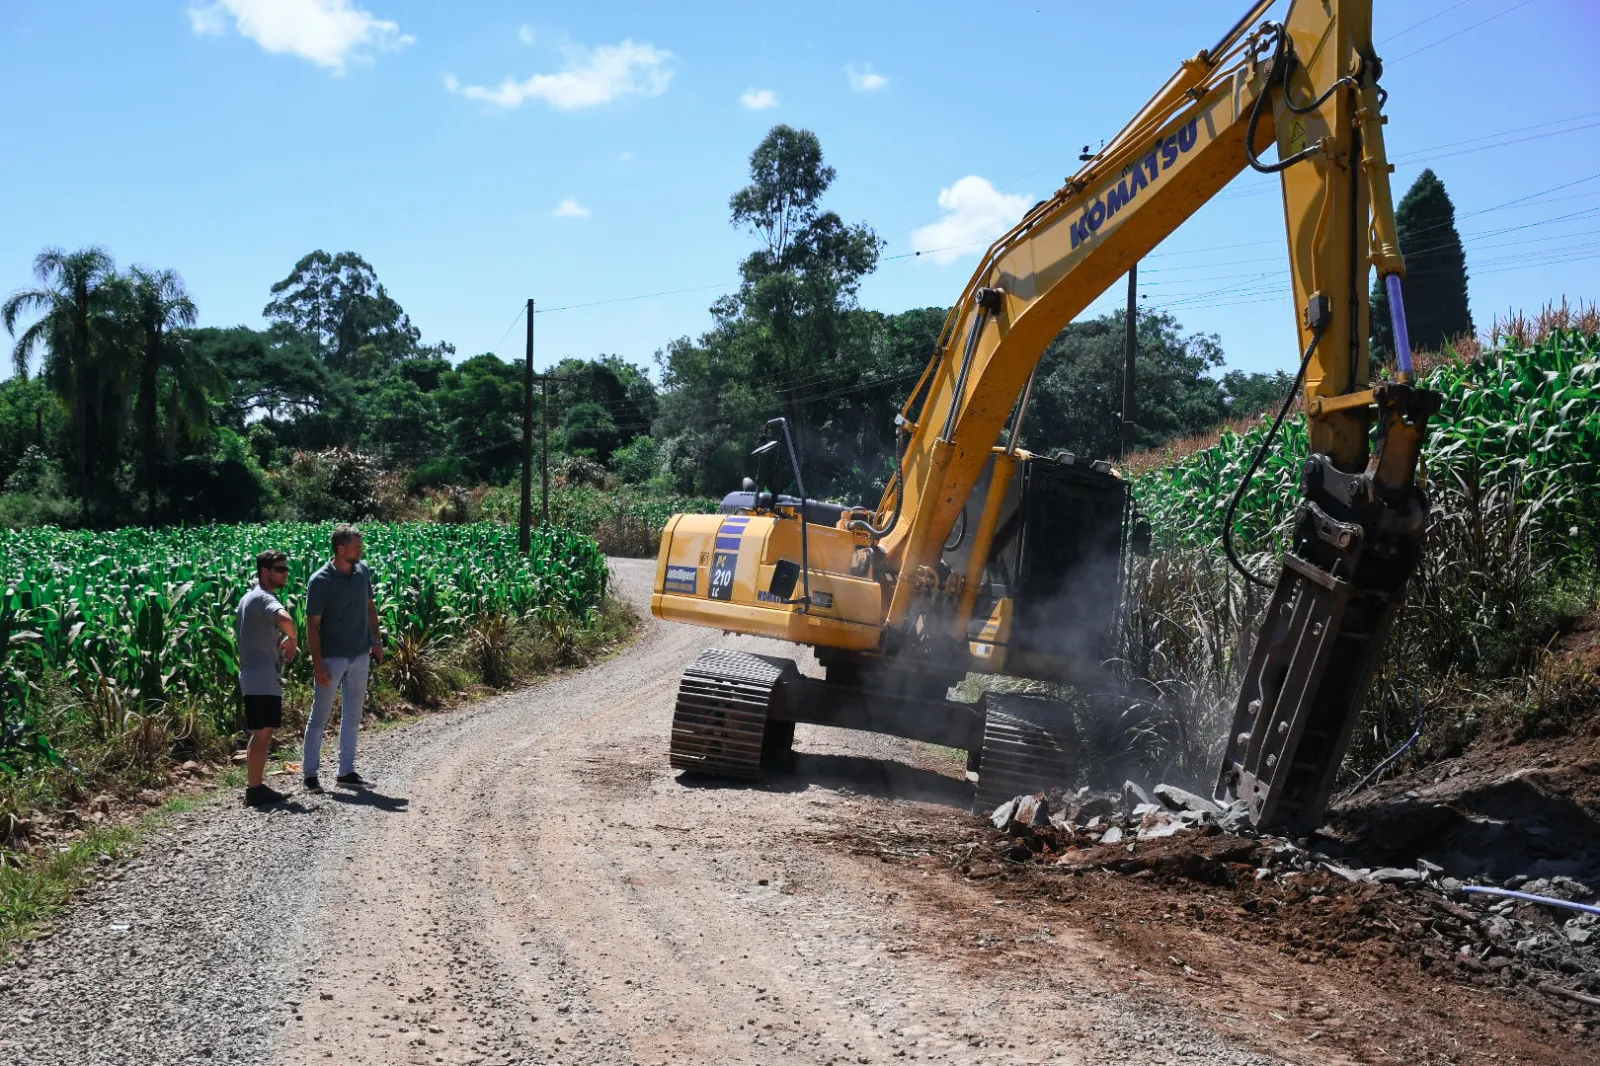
pixel 1402 335
pixel 1485 890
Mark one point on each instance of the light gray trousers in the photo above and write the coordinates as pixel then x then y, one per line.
pixel 350 681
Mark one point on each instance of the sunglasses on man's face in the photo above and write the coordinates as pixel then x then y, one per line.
pixel 279 569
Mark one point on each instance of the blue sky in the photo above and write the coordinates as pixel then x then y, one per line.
pixel 481 153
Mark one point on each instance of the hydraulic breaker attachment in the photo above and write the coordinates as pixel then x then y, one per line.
pixel 1357 542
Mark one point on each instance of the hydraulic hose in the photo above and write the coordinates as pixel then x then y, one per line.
pixel 1277 72
pixel 1416 734
pixel 1255 464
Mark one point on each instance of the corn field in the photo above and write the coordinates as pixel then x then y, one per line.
pixel 134 620
pixel 1512 468
pixel 1521 419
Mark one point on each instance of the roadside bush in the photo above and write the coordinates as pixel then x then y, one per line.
pixel 580 471
pixel 36 494
pixel 226 485
pixel 639 461
pixel 333 485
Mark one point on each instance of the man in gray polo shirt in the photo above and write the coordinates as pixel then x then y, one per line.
pixel 342 630
pixel 267 641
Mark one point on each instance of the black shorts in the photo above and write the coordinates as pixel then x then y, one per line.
pixel 263 712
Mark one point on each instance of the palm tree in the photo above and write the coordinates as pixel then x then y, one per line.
pixel 77 302
pixel 158 304
pixel 193 383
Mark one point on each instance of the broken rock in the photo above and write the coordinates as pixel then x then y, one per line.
pixel 1134 794
pixel 1179 799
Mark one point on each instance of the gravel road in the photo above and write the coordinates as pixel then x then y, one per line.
pixel 528 883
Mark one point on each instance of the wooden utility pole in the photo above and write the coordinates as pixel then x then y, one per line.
pixel 1130 349
pixel 525 537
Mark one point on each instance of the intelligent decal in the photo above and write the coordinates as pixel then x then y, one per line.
pixel 1162 158
pixel 683 579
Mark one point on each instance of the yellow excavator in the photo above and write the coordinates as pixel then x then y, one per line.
pixel 903 601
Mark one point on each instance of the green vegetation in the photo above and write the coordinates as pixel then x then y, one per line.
pixel 121 658
pixel 32 892
pixel 1436 273
pixel 1513 471
pixel 338 409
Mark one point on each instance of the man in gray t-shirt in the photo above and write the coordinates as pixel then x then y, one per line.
pixel 267 641
pixel 342 629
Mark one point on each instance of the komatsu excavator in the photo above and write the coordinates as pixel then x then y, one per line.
pixel 982 557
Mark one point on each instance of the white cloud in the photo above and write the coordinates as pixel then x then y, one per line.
pixel 862 79
pixel 759 99
pixel 329 33
pixel 526 34
pixel 975 213
pixel 570 208
pixel 589 79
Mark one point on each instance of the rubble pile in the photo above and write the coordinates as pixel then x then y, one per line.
pixel 1313 898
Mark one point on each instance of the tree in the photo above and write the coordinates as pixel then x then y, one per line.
pixel 338 304
pixel 85 363
pixel 601 404
pixel 1252 393
pixel 781 344
pixel 31 419
pixel 480 409
pixel 158 305
pixel 1077 400
pixel 1436 272
pixel 402 421
pixel 274 375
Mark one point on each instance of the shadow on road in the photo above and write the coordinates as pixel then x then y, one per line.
pixel 286 807
pixel 884 778
pixel 369 798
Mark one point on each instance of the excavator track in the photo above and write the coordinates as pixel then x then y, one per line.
pixel 1029 745
pixel 720 726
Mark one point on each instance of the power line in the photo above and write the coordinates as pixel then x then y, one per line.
pixel 1424 22
pixel 1458 33
pixel 630 299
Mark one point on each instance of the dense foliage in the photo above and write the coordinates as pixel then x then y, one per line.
pixel 337 409
pixel 1519 419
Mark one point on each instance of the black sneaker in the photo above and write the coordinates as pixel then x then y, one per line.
pixel 313 785
pixel 262 796
pixel 353 780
